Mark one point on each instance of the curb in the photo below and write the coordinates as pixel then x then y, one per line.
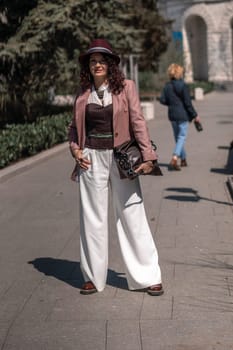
pixel 30 162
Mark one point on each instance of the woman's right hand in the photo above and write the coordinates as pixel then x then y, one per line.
pixel 197 119
pixel 84 163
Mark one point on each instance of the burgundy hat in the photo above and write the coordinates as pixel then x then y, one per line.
pixel 101 46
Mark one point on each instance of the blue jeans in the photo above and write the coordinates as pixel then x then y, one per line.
pixel 180 130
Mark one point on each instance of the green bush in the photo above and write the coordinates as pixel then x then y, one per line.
pixel 24 140
pixel 146 81
pixel 15 112
pixel 207 86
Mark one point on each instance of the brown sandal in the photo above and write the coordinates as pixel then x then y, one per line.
pixel 183 162
pixel 155 290
pixel 88 288
pixel 173 165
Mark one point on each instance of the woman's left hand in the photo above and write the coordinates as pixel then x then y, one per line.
pixel 145 167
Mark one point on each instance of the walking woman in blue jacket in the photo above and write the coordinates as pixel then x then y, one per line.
pixel 176 96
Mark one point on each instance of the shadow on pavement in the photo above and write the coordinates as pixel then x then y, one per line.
pixel 228 169
pixel 70 272
pixel 64 270
pixel 163 165
pixel 223 171
pixel 190 195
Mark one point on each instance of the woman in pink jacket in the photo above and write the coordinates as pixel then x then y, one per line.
pixel 107 113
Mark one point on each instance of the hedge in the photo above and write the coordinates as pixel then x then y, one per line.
pixel 24 140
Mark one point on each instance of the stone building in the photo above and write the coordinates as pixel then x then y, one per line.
pixel 205 32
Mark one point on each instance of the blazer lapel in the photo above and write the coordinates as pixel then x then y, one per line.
pixel 80 116
pixel 117 106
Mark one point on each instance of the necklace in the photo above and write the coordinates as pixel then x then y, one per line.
pixel 100 94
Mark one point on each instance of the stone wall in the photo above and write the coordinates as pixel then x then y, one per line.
pixel 206 28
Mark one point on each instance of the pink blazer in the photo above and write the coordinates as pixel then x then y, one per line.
pixel 128 121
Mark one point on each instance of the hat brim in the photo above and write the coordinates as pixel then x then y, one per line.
pixel 85 55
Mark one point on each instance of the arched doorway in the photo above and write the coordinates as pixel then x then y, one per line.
pixel 196 30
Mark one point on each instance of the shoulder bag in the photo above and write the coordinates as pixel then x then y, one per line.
pixel 128 157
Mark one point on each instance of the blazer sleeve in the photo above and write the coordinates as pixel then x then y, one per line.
pixel 72 132
pixel 188 103
pixel 138 122
pixel 163 99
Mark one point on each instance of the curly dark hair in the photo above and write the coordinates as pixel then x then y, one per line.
pixel 115 76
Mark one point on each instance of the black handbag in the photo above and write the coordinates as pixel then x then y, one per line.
pixel 128 157
pixel 198 126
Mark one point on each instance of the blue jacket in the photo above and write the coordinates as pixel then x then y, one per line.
pixel 176 96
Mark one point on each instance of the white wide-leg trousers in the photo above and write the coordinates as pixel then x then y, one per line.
pixel 136 243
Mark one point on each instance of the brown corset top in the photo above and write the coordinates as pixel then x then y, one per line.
pixel 99 126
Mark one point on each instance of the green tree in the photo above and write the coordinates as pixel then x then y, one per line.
pixel 41 41
pixel 154 40
pixel 12 14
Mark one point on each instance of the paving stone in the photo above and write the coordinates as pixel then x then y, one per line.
pixel 203 308
pixel 157 308
pixel 4 327
pixel 95 307
pixel 57 335
pixel 186 334
pixel 13 301
pixel 124 334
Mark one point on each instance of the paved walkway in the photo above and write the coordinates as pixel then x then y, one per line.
pixel 191 217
